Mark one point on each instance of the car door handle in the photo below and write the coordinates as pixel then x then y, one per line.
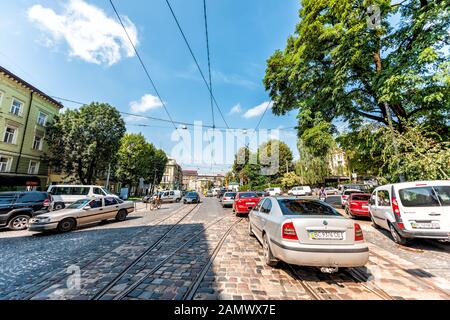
pixel 434 214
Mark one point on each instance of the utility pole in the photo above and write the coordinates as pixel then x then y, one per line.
pixel 108 176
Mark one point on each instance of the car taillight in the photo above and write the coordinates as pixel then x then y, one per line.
pixel 46 203
pixel 396 209
pixel 358 233
pixel 288 231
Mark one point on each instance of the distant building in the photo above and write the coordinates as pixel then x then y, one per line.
pixel 173 176
pixel 24 114
pixel 338 163
pixel 192 180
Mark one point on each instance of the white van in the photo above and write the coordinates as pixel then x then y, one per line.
pixel 273 192
pixel 66 194
pixel 300 191
pixel 171 196
pixel 412 210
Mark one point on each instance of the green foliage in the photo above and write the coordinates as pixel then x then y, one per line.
pixel 84 142
pixel 422 154
pixel 290 179
pixel 337 65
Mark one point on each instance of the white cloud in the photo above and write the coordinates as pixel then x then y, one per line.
pixel 236 109
pixel 258 110
pixel 147 102
pixel 90 34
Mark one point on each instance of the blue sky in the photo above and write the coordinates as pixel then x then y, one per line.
pixel 75 49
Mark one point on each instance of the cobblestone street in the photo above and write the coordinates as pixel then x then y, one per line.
pixel 204 252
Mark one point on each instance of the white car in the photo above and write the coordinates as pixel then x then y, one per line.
pixel 412 210
pixel 307 233
pixel 300 191
pixel 66 194
pixel 81 212
pixel 171 196
pixel 273 192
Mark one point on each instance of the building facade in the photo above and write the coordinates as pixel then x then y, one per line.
pixel 173 176
pixel 338 163
pixel 192 180
pixel 24 114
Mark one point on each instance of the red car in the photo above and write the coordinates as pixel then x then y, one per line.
pixel 358 205
pixel 244 202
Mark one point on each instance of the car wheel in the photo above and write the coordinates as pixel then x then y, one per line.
pixel 121 215
pixel 396 236
pixel 59 206
pixel 66 225
pixel 374 224
pixel 349 213
pixel 250 231
pixel 184 201
pixel 268 256
pixel 19 222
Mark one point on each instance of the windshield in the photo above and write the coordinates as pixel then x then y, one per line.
pixel 298 207
pixel 79 204
pixel 247 195
pixel 191 195
pixel 230 194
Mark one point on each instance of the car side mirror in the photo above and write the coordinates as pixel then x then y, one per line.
pixel 87 208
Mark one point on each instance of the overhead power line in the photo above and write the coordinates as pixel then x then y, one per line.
pixel 205 14
pixel 262 117
pixel 143 64
pixel 187 124
pixel 196 63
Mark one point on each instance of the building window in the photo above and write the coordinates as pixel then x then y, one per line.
pixel 33 168
pixel 16 107
pixel 5 164
pixel 1 97
pixel 37 143
pixel 42 119
pixel 10 135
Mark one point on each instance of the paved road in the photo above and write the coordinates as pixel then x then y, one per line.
pixel 202 252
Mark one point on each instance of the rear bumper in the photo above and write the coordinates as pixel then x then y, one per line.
pixel 313 256
pixel 360 212
pixel 227 202
pixel 440 235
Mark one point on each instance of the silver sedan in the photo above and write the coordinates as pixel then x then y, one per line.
pixel 307 233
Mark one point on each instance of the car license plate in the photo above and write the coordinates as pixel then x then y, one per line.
pixel 250 203
pixel 425 225
pixel 365 207
pixel 326 235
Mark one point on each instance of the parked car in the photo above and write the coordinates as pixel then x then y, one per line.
pixel 191 197
pixel 331 191
pixel 171 196
pixel 228 199
pixel 261 194
pixel 81 212
pixel 244 202
pixel 358 205
pixel 412 210
pixel 307 233
pixel 300 191
pixel 209 193
pixel 221 192
pixel 352 186
pixel 16 208
pixel 274 192
pixel 346 195
pixel 64 195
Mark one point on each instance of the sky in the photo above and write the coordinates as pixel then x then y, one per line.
pixel 76 49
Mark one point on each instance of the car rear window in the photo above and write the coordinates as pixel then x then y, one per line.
pixel 230 194
pixel 7 198
pixel 418 197
pixel 247 195
pixel 361 197
pixel 298 207
pixel 191 194
pixel 349 192
pixel 32 197
pixel 443 194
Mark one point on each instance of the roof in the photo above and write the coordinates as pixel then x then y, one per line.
pixel 11 75
pixel 190 172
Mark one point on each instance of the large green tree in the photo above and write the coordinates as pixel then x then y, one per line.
pixel 347 67
pixel 84 142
